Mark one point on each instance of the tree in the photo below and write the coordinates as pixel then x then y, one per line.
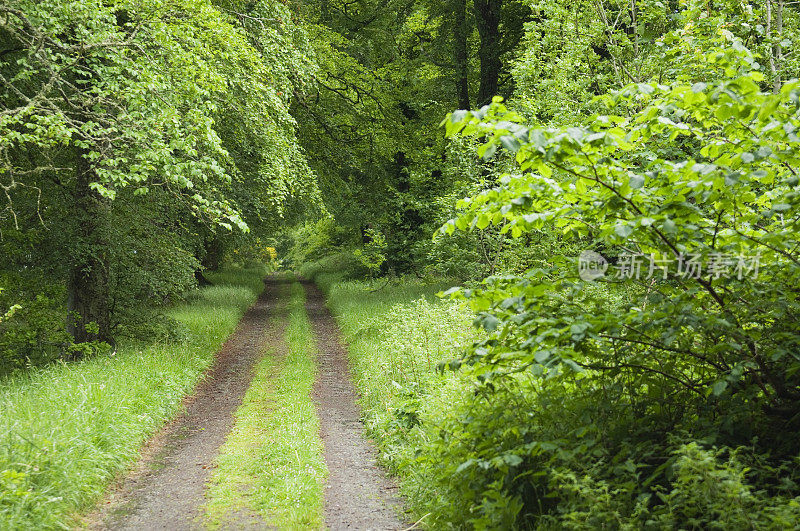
pixel 487 20
pixel 115 102
pixel 386 71
pixel 461 53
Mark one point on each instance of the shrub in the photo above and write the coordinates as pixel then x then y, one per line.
pixel 693 169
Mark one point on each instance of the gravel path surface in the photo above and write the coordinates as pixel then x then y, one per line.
pixel 166 489
pixel 357 495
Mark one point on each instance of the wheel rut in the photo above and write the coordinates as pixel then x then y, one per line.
pixel 358 495
pixel 166 490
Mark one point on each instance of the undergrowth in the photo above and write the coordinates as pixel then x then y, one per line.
pixel 398 334
pixel 533 452
pixel 68 429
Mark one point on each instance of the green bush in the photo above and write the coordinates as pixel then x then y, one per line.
pixel 372 254
pixel 33 334
pixel 314 240
pixel 627 389
pixel 343 265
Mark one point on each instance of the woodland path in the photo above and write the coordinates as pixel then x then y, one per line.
pixel 166 488
pixel 357 495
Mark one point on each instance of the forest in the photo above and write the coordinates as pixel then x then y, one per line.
pixel 400 264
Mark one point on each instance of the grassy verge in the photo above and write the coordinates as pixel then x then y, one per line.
pixel 396 338
pixel 67 430
pixel 271 463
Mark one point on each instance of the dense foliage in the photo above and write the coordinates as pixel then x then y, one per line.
pixel 139 141
pixel 69 429
pixel 635 208
pixel 617 197
pixel 689 187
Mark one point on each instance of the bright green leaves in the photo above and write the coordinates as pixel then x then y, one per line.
pixel 482 221
pixel 510 143
pixel 623 230
pixel 691 188
pixel 487 151
pixel 165 104
pixel 636 182
pixel 453 124
pixel 595 169
pixel 488 322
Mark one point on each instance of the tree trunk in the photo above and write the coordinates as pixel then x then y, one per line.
pixel 635 25
pixel 89 314
pixel 775 7
pixel 778 50
pixel 487 19
pixel 460 56
pixel 201 279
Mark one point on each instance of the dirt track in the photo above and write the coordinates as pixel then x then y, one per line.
pixel 166 490
pixel 357 495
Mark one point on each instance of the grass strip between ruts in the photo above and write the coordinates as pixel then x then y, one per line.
pixel 271 466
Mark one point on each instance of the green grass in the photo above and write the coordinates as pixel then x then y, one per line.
pixel 396 337
pixel 271 464
pixel 67 430
pixel 251 278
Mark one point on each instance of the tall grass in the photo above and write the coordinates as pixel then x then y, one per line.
pixel 68 429
pixel 271 464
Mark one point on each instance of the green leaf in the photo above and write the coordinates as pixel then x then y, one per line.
pixel 489 322
pixel 487 151
pixel 636 182
pixel 458 116
pixel 732 178
pixel 572 365
pixel 623 230
pixel 510 143
pixel 644 88
pixel 465 465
